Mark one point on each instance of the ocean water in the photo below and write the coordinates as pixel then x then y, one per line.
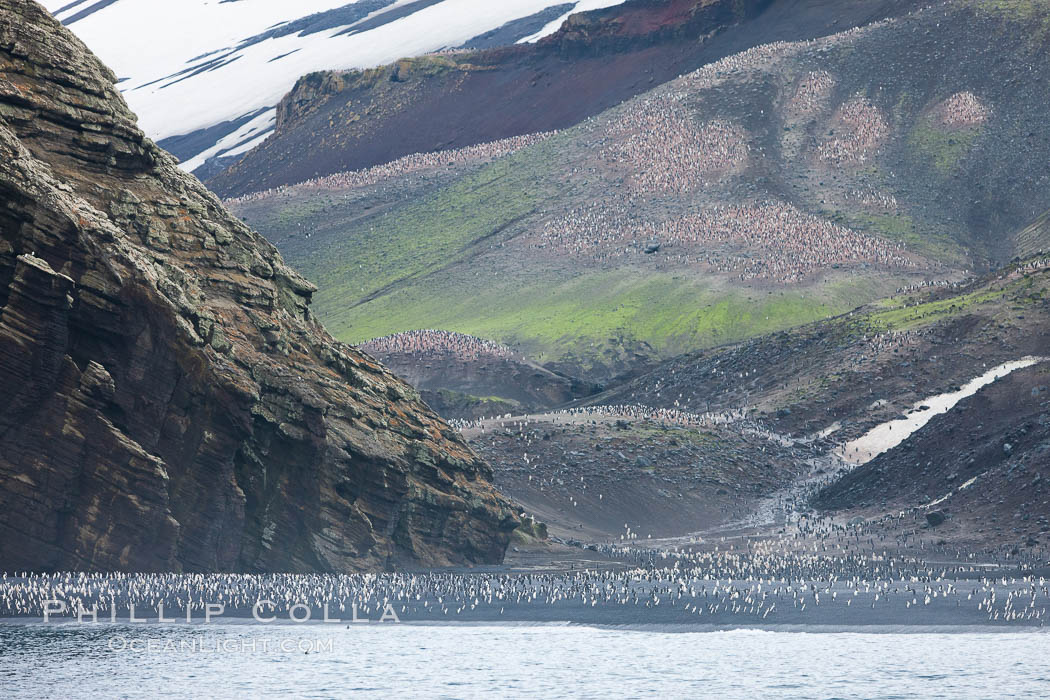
pixel 495 661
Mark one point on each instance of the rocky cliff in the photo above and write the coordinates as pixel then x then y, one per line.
pixel 171 403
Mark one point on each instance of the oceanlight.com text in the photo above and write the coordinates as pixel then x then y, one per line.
pixel 202 645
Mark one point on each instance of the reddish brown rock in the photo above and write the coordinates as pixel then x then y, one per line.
pixel 171 403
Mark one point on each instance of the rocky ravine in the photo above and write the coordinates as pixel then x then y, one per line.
pixel 171 402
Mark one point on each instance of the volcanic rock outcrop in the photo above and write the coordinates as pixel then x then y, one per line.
pixel 170 402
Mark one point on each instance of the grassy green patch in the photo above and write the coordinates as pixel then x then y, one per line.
pixel 450 395
pixel 302 211
pixel 899 317
pixel 593 315
pixel 1024 10
pixel 1035 237
pixel 1027 18
pixel 420 237
pixel 902 228
pixel 942 149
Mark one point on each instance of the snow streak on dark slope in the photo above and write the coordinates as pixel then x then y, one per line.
pixel 87 11
pixel 518 29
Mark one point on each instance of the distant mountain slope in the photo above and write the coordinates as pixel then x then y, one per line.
pixel 985 462
pixel 789 183
pixel 863 367
pixel 332 122
pixel 204 76
pixel 170 401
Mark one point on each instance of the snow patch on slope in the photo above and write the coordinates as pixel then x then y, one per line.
pixel 888 435
pixel 582 6
pixel 240 141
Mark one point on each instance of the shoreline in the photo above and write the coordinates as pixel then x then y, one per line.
pixel 873 628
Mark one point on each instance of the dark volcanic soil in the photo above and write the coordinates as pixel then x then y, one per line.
pixel 471 388
pixel 594 476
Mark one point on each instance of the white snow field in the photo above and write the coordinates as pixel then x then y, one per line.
pixel 187 65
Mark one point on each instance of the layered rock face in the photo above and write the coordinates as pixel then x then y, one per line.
pixel 170 402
